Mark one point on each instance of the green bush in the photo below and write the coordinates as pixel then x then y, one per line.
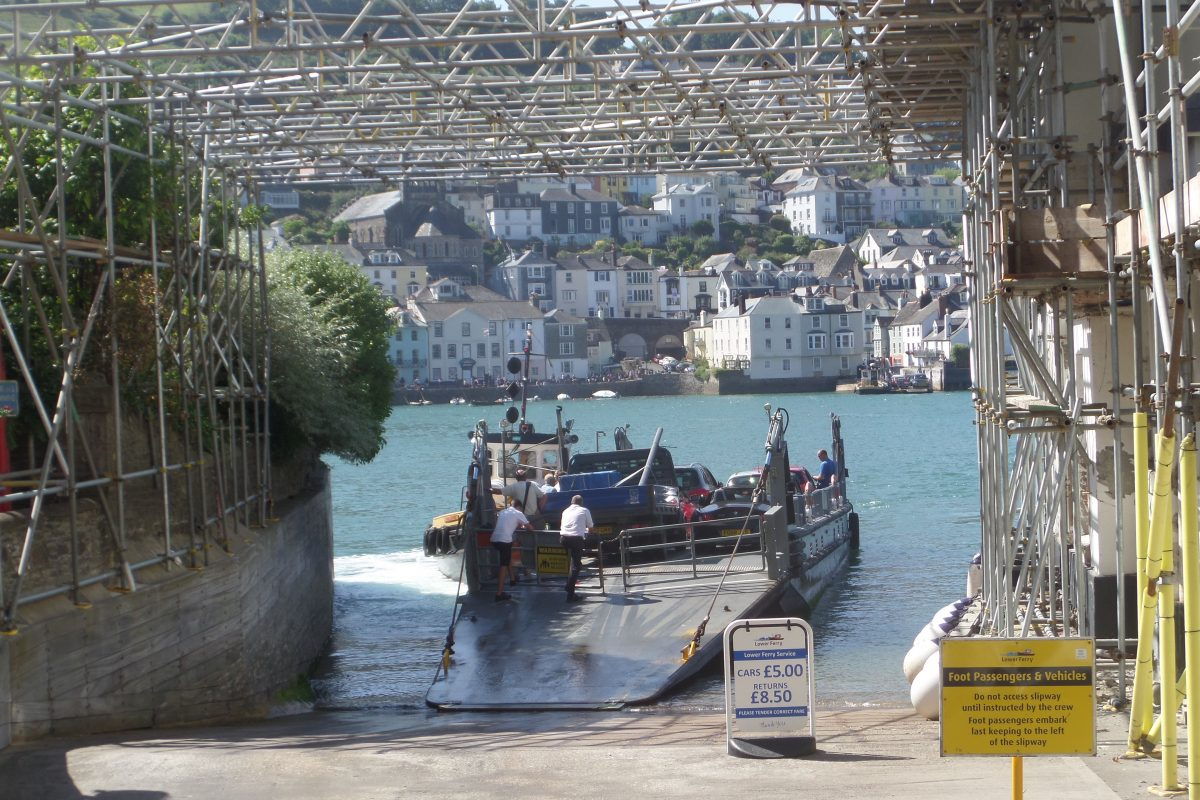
pixel 331 383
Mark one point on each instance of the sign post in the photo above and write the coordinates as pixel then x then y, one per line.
pixel 1017 698
pixel 769 688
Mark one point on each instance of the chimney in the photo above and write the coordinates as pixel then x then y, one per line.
pixel 650 258
pixel 741 302
pixel 703 317
pixel 923 300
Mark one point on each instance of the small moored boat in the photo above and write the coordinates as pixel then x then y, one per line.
pixel 605 394
pixel 563 396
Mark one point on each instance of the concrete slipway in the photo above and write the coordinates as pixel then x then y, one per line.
pixel 385 755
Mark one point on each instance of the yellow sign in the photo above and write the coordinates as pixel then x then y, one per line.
pixel 1018 697
pixel 552 560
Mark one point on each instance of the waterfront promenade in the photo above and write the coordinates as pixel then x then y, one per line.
pixel 386 755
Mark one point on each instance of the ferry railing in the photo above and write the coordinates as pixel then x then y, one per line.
pixel 525 551
pixel 682 559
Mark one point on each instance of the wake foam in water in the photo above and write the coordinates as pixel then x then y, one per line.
pixel 393 573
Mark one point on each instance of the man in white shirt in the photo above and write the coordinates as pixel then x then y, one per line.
pixel 528 495
pixel 575 526
pixel 507 522
pixel 551 484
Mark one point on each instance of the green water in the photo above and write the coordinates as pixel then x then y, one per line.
pixel 913 479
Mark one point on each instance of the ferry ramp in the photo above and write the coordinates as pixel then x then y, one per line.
pixel 621 645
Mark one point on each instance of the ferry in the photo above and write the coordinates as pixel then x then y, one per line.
pixel 662 579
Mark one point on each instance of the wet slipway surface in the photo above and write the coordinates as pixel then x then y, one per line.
pixel 622 647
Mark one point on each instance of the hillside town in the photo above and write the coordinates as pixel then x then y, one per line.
pixel 806 276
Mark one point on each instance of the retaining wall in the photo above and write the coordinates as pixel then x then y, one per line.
pixel 668 383
pixel 186 646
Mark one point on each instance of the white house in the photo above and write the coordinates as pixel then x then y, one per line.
pixel 812 208
pixel 685 204
pixel 514 216
pixel 638 287
pixel 809 336
pixel 875 243
pixel 643 225
pixel 473 330
pixel 687 293
pixel 916 201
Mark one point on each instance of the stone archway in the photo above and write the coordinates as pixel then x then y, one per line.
pixel 670 345
pixel 631 345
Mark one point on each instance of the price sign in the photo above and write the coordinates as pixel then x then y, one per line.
pixel 769 687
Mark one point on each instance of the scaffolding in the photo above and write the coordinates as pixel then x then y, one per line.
pixel 1068 119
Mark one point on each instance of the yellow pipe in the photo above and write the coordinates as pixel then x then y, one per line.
pixel 1141 712
pixel 1142 677
pixel 1169 705
pixel 1189 542
pixel 1141 496
pixel 1018 778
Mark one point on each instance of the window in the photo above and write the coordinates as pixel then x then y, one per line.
pixel 568 295
pixel 767 321
pixel 567 277
pixel 766 365
pixel 602 276
pixel 703 287
pixel 566 367
pixel 376 273
pixel 787 344
pixel 495 349
pixel 437 374
pixel 566 348
pixel 480 350
pixel 437 329
pixel 451 351
pixel 768 344
pixel 454 373
pixel 816 341
pixel 412 335
pixel 399 336
pixel 587 223
pixel 492 327
pixel 845 362
pixel 843 340
pixel 466 329
pixel 816 363
pixel 843 320
pixel 787 363
pixel 640 296
pixel 435 350
pixel 816 323
pixel 554 208
pixel 587 208
pixel 566 331
pixel 787 322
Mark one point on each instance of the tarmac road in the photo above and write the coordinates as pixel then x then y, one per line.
pixel 384 755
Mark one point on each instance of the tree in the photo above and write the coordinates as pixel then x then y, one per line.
pixel 785 243
pixel 704 247
pixel 702 228
pixel 331 382
pixel 780 223
pixel 960 355
pixel 340 231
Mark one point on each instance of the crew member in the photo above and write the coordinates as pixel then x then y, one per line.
pixel 575 526
pixel 507 522
pixel 827 474
pixel 529 496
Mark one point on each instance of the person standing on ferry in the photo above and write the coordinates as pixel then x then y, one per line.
pixel 576 524
pixel 827 474
pixel 507 523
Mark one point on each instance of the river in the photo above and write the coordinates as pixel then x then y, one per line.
pixel 913 479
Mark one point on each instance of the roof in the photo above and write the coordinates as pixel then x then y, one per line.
pixel 684 189
pixel 488 309
pixel 915 313
pixel 370 206
pixel 834 262
pixel 638 211
pixel 632 263
pixel 562 317
pixel 720 262
pixel 348 253
pixel 917 237
pixel 435 221
pixel 526 259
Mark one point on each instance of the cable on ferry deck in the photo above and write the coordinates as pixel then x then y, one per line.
pixel 775 433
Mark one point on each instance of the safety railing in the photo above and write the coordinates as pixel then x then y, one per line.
pixel 526 544
pixel 818 503
pixel 653 550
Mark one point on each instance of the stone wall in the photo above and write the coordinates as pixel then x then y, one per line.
pixel 186 646
pixel 736 382
pixel 667 383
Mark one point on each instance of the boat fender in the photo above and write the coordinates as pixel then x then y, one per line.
pixel 443 540
pixel 430 541
pixel 854 529
pixel 915 658
pixel 938 628
pixel 926 690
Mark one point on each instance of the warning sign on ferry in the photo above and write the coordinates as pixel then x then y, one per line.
pixel 1018 697
pixel 552 560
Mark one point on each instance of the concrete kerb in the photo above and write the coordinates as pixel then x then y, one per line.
pixel 866 752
